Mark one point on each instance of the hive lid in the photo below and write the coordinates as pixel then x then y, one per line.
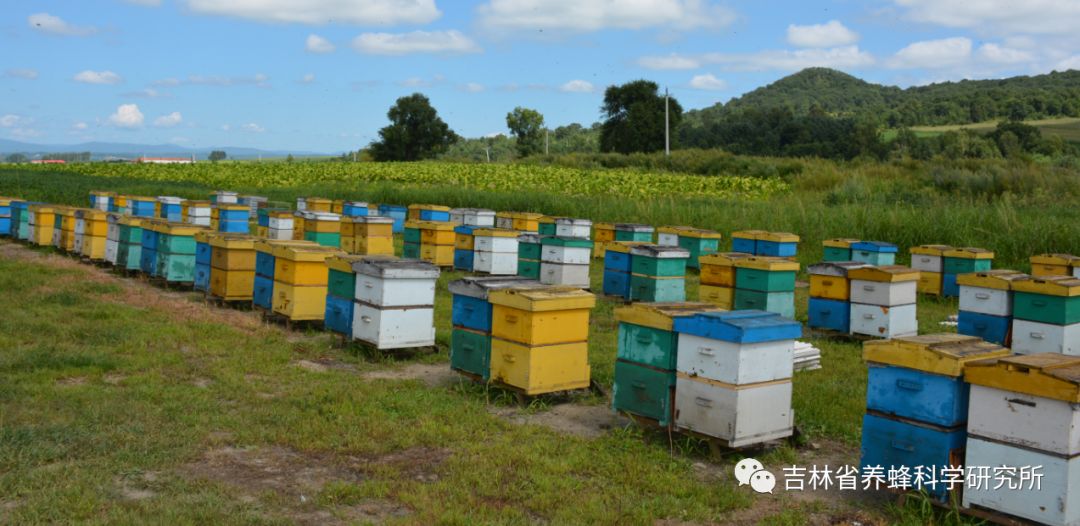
pixel 397 208
pixel 661 315
pixel 633 227
pixel 280 214
pixel 1049 375
pixel 779 237
pixel 573 221
pixel 566 241
pixel 504 214
pixel 660 252
pixel 723 259
pixel 624 246
pixel 205 235
pixel 835 268
pixel 310 200
pixel 198 204
pixel 543 299
pixel 170 200
pixel 1055 259
pixel 930 250
pixel 495 232
pixel 310 253
pixel 604 226
pixel 548 219
pixel 533 239
pixel 944 354
pixel 441 226
pixel 343 262
pixel 321 216
pixel 130 221
pixel 885 273
pixel 371 220
pixel 91 214
pixel 743 326
pixel 1000 279
pixel 689 231
pixel 439 208
pixel 1050 286
pixel 267 245
pixel 231 241
pixel 839 242
pixel 393 268
pixel 233 207
pixel 480 286
pixel 179 229
pixel 875 246
pixel 479 212
pixel 531 216
pixel 465 229
pixel 749 234
pixel 969 253
pixel 768 264
pixel 355 204
pixel 102 193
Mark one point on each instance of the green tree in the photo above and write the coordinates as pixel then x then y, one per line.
pixel 415 132
pixel 217 155
pixel 634 118
pixel 528 128
pixel 17 158
pixel 289 159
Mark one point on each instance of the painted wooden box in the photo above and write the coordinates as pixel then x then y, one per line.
pixel 526 221
pixel 201 280
pixel 884 322
pixel 566 274
pixel 546 316
pixel 395 283
pixel 463 237
pixel 339 315
pixel 988 292
pixel 829 280
pixel 504 220
pixel 427 212
pixel 719 269
pixel 654 289
pixel 765 274
pixel 782 303
pixel 931 283
pixel 874 253
pixel 777 244
pixel 397 213
pixel 837 249
pixel 734 414
pixel 528 269
pixel 696 241
pixel 412 232
pixel 929 258
pixel 618 257
pixel 540 369
pixel 303 265
pixel 722 297
pixel 735 363
pixel 263 295
pixel 647 335
pixel 886 286
pixel 470 307
pixel 644 391
pixel 967 259
pixel 495 263
pixel 603 232
pixel 745 326
pixel 439 255
pixel 478 217
pixel 829 314
pixel 1053 264
pixel 340 278
pixel 616 283
pixel 573 227
pixel 463 260
pixel 299 302
pixel 633 232
pixel 566 250
pixel 1053 299
pixel 1054 501
pixel 994 329
pixel 354 208
pixel 231 252
pixel 231 285
pixel 658 261
pixel 1029 337
pixel 470 352
pixel 892 443
pixel 745 241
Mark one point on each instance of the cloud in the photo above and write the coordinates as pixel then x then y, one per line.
pixel 1072 62
pixel 20 73
pixel 252 127
pixel 10 121
pixel 127 116
pixel 707 82
pixel 933 54
pixel 847 57
pixel 829 34
pixel 318 44
pixel 672 61
pixel 308 78
pixel 146 93
pixel 98 77
pixel 1003 55
pixel 359 12
pixel 147 3
pixel 258 79
pixel 584 16
pixel 442 42
pixel 577 86
pixel 26 133
pixel 79 126
pixel 54 25
pixel 1040 17
pixel 472 87
pixel 168 121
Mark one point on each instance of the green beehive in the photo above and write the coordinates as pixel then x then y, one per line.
pixel 633 232
pixel 838 249
pixel 967 260
pixel 658 261
pixel 652 289
pixel 1048 299
pixel 176 252
pixel 326 239
pixel 765 274
pixel 471 351
pixel 782 303
pixel 411 250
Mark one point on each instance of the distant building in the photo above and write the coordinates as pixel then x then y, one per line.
pixel 48 161
pixel 165 160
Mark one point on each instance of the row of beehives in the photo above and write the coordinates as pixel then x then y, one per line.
pixel 962 418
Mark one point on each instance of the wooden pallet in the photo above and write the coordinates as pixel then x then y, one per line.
pixel 401 352
pixel 830 334
pixel 270 317
pixel 719 447
pixel 524 398
pixel 169 285
pixel 217 301
pixel 975 512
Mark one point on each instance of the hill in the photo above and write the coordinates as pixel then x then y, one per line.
pixel 100 150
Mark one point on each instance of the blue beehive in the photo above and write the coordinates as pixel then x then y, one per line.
pixel 396 212
pixel 743 326
pixel 994 329
pixel 463 260
pixel 201 277
pixel 893 443
pixel 917 395
pixel 876 253
pixel 339 314
pixel 141 206
pixel 829 314
pixel 5 217
pixel 264 264
pixel 355 209
pixel 949 287
pixel 776 244
pixel 616 283
pixel 434 215
pixel 263 293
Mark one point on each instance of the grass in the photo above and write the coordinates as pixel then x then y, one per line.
pixel 1067 128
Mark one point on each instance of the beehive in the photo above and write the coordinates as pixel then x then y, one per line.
pixel 300 280
pixel 883 301
pixel 504 220
pixel 232 262
pixel 957 261
pixel 203 259
pixel 91 238
pixel 197 213
pixel 986 300
pixel 495 251
pixel 929 260
pixel 1053 264
pixel 617 261
pixel 633 232
pixel 42 219
pixel 877 253
pixel 765 283
pixel 540 338
pixel 119 204
pixel 837 249
pixel 341 293
pixel 426 212
pixel 129 247
pixel 316 204
pixel 368 235
pixel 1046 315
pixel 5 217
pixel 647 356
pixel 565 261
pixel 431 241
pixel 224 197
pixel 470 341
pixel 101 200
pixel 719 269
pixel 232 218
pixel 697 241
pixel 745 241
pixel 64 228
pixel 112 237
pixel 528 222
pixel 170 208
pixel 280 225
pixel 396 212
pixel 464 244
pixel 395 302
pixel 830 295
pixel 140 206
pixel 776 244
pixel 176 252
pixel 355 209
pixel 529 252
pixel 262 296
pixel 733 378
pixel 323 228
pixel 20 219
pixel 657 273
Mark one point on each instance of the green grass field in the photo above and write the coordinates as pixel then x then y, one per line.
pixel 1066 128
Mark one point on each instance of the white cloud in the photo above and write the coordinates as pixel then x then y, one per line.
pixel 46 23
pixel 933 54
pixel 847 57
pixel 98 77
pixel 318 44
pixel 443 42
pixel 26 133
pixel 707 82
pixel 127 116
pixel 79 126
pixel 1042 17
pixel 10 121
pixel 414 82
pixel 473 87
pixel 146 93
pixel 578 86
pixel 168 121
pixel 252 127
pixel 1072 62
pixel 308 78
pixel 829 34
pixel 1003 55
pixel 360 12
pixel 579 15
pixel 258 79
pixel 21 73
pixel 226 127
pixel 147 3
pixel 672 61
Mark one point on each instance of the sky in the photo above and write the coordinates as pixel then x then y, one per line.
pixel 320 75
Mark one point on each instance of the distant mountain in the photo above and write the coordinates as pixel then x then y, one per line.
pixel 101 150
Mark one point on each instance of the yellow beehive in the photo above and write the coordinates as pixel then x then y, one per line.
pixel 414 210
pixel 1053 264
pixel 66 228
pixel 543 316
pixel 779 237
pixel 96 227
pixel 603 232
pixel 464 241
pixel 323 224
pixel 884 274
pixel 436 233
pixel 929 283
pixel 232 252
pixel 544 369
pixel 829 287
pixel 318 204
pixel 839 242
pixel 298 226
pixel 945 354
pixel 438 255
pixel 969 253
pixel 1067 286
pixel 767 263
pixel 526 221
pixel 337 206
pixel 299 303
pixel 719 269
pixel 1049 375
pixel 722 297
pixel 301 265
pixel 1000 279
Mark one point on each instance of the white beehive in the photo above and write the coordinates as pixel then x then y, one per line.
pixel 884 322
pixel 881 293
pixel 570 227
pixel 394 302
pixel 734 362
pixel 1024 420
pixel 496 263
pixel 1030 337
pixel 112 238
pixel 1054 501
pixel 734 414
pixel 564 274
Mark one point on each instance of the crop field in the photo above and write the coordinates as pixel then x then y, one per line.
pixel 1066 128
pixel 123 402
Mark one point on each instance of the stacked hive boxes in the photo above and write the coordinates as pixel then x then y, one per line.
pixel 395 303
pixel 470 341
pixel 718 278
pixel 1054 265
pixel 986 302
pixel 203 259
pixel 745 241
pixel 265 262
pixel 129 248
pixel 355 209
pixel 64 229
pixel 1023 414
pixel 837 249
pixel 254 203
pixel 119 204
pixel 5 216
pixel 91 229
pixel 733 375
pixel 530 251
pixel 411 248
pixel 929 260
pixel 232 267
pixel 697 241
pixel 315 204
pixel 340 291
pixel 504 220
pixel 527 222
pixel 565 261
pixel 917 404
pixel 464 245
pixel 540 338
pixel 657 273
pixel 170 208
pixel 368 235
pixel 495 251
pixel 280 225
pixel 141 206
pixel 883 301
pixel 646 359
pixel 436 242
pixel 429 213
pixel 176 252
pixel 300 280
pixel 112 237
pixel 323 228
pixel 878 253
pixel 149 253
pixel 546 226
pixel 617 265
pixel 1046 315
pixel 101 200
pixel 197 213
pixel 830 295
pixel 766 283
pixel 223 197
pixel 474 217
pixel 20 219
pixel 603 234
pixel 41 222
pixel 962 261
pixel 231 218
pixel 396 212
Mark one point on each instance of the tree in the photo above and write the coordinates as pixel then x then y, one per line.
pixel 289 159
pixel 415 132
pixel 528 127
pixel 17 158
pixel 634 118
pixel 217 155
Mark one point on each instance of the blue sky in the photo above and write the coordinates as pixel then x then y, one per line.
pixel 320 74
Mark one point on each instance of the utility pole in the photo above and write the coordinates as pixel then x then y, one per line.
pixel 667 126
pixel 546 141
